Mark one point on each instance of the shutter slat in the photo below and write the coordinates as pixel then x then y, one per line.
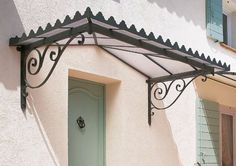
pixel 208 113
pixel 209 129
pixel 208 144
pixel 207 119
pixel 214 19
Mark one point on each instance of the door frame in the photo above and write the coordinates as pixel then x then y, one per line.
pixel 103 111
pixel 228 111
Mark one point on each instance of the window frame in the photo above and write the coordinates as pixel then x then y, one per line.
pixel 229 28
pixel 227 41
pixel 227 111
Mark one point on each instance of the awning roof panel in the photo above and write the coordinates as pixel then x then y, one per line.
pixel 128 48
pixel 112 42
pixel 141 62
pixel 148 54
pixel 172 66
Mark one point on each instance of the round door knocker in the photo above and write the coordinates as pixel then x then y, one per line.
pixel 80 122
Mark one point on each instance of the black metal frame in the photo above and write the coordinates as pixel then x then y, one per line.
pixel 30 63
pixel 159 88
pixel 200 64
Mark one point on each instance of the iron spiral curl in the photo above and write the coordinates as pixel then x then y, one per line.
pixel 35 64
pixel 160 91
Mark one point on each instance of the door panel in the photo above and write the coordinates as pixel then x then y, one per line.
pixel 85 144
pixel 227 140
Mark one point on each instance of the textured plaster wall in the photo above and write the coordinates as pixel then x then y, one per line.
pixel 39 137
pixel 21 141
pixel 129 139
pixel 181 117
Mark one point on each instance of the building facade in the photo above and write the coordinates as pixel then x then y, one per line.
pixel 197 129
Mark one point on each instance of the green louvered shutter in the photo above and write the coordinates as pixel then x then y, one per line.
pixel 214 19
pixel 207 118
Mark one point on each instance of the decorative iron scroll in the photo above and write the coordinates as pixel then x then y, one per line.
pixel 159 91
pixel 33 65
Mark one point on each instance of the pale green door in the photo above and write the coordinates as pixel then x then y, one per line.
pixel 85 123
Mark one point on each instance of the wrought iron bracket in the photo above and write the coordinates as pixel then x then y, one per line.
pixel 23 93
pixel 159 89
pixel 32 65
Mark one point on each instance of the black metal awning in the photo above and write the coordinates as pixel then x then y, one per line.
pixel 160 61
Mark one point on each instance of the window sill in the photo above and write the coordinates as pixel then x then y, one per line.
pixel 228 47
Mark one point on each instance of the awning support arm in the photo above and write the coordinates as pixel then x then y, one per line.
pixel 159 88
pixel 178 76
pixel 23 93
pixel 32 65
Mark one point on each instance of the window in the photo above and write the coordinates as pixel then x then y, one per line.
pixel 227 135
pixel 214 19
pixel 207 122
pixel 216 134
pixel 221 21
pixel 229 23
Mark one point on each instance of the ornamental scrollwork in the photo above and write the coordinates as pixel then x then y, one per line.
pixel 35 63
pixel 159 91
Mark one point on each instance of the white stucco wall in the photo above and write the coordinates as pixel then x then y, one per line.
pixel 21 141
pixel 129 139
pixel 39 137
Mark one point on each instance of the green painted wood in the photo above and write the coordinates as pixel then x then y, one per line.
pixel 208 143
pixel 211 159
pixel 210 164
pixel 86 146
pixel 208 129
pixel 208 136
pixel 207 119
pixel 214 19
pixel 210 151
pixel 208 113
pixel 207 105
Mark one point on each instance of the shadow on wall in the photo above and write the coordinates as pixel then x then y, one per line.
pixel 32 110
pixel 158 138
pixel 11 25
pixel 186 9
pixel 165 140
pixel 156 145
pixel 117 1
